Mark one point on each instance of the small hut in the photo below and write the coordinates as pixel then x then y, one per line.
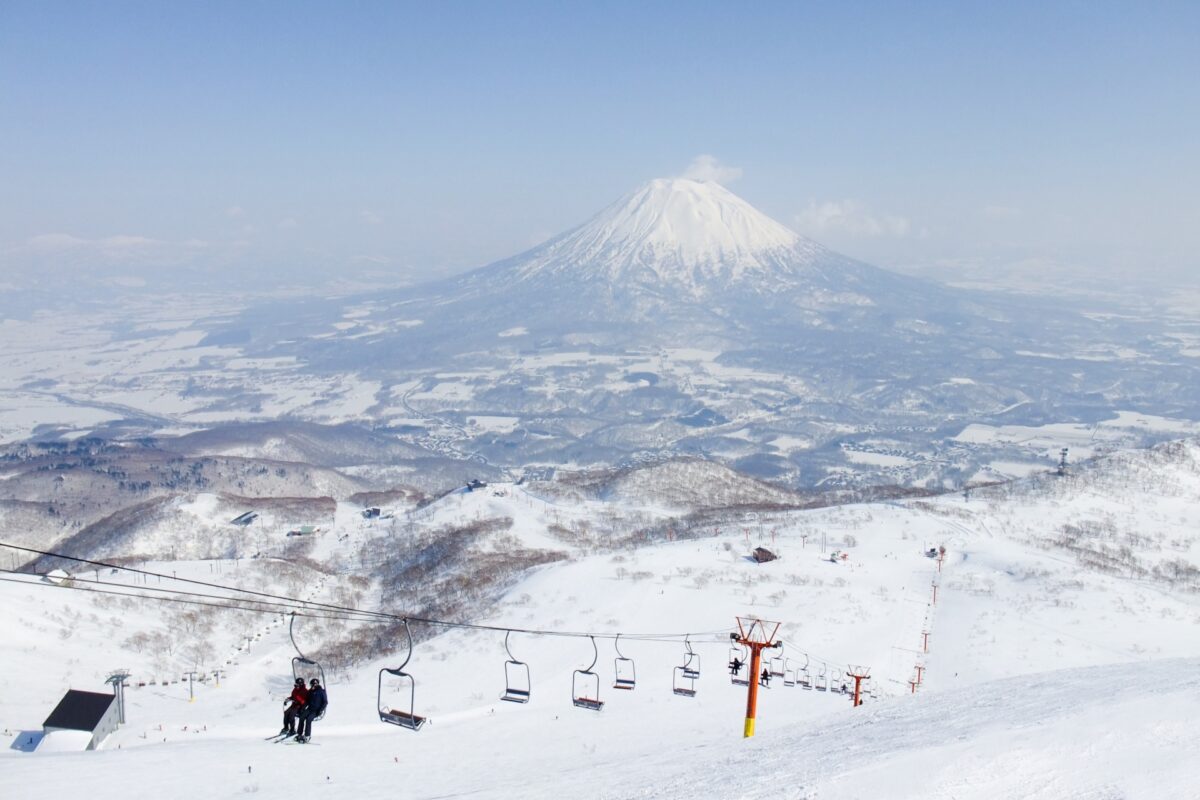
pixel 244 519
pixel 93 713
pixel 762 555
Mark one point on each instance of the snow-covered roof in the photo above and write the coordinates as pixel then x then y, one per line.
pixel 56 576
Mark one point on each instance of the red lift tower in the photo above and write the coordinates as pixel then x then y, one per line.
pixel 859 674
pixel 757 635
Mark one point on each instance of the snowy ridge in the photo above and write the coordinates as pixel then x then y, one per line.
pixel 679 231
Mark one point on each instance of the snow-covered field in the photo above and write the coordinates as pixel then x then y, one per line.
pixel 1045 678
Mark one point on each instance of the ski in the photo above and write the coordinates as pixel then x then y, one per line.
pixel 279 737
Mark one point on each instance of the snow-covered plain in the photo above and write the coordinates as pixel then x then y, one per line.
pixel 1045 678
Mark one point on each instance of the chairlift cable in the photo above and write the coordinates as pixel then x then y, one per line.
pixel 312 605
pixel 263 606
pixel 138 596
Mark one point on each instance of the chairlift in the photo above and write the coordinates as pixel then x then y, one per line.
pixel 585 684
pixel 806 681
pixel 691 664
pixel 397 681
pixel 789 673
pixel 624 670
pixel 777 664
pixel 516 677
pixel 739 653
pixel 823 678
pixel 304 668
pixel 683 680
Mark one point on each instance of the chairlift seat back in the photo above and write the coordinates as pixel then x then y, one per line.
pixel 624 673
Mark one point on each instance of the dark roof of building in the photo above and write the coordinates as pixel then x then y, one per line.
pixel 763 554
pixel 79 711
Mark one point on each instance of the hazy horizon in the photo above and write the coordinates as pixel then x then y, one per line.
pixel 399 143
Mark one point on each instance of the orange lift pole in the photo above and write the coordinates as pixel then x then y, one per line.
pixel 859 674
pixel 757 635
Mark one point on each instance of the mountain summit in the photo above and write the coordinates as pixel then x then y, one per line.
pixel 674 231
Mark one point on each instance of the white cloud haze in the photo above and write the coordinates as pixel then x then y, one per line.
pixel 706 168
pixel 851 217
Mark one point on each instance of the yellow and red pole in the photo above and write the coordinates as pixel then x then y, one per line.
pixel 752 693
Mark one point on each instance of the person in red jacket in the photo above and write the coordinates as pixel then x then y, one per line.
pixel 293 706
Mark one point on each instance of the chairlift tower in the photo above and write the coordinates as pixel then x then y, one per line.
pixel 756 635
pixel 191 676
pixel 117 680
pixel 859 674
pixel 1062 462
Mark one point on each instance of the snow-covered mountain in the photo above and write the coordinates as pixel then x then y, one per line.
pixel 677 233
pixel 679 321
pixel 675 261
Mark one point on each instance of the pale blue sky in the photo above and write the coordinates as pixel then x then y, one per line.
pixel 421 138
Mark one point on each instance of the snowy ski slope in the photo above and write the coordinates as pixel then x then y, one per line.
pixel 1043 679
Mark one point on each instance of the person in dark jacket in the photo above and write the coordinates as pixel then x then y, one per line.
pixel 293 706
pixel 765 678
pixel 735 666
pixel 317 701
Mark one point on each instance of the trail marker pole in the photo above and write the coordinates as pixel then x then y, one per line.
pixel 925 641
pixel 920 669
pixel 935 594
pixel 756 635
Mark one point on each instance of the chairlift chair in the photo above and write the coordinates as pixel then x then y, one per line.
pixel 741 653
pixel 682 683
pixel 789 673
pixel 777 664
pixel 803 676
pixel 516 677
pixel 683 679
pixel 823 678
pixel 400 680
pixel 691 664
pixel 305 668
pixel 585 684
pixel 624 670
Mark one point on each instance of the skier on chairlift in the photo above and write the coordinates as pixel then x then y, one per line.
pixel 317 700
pixel 765 678
pixel 735 666
pixel 293 707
